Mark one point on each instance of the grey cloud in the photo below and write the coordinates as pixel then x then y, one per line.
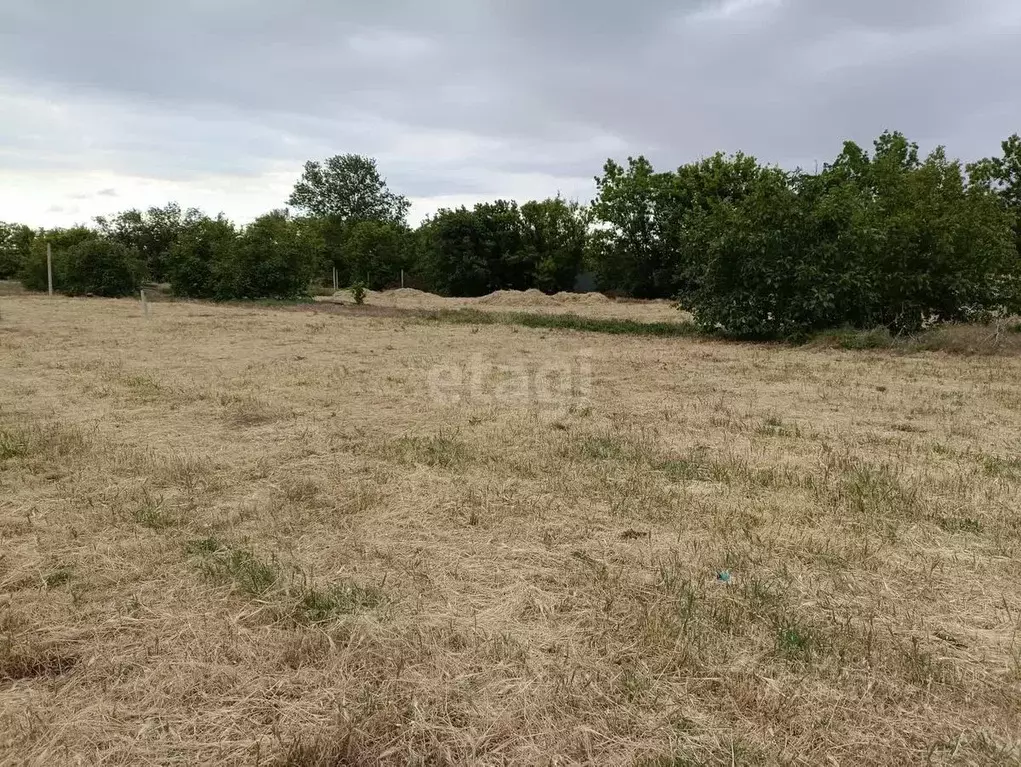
pixel 456 97
pixel 106 193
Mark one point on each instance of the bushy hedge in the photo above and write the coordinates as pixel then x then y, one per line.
pixel 887 240
pixel 15 246
pixel 33 274
pixel 101 267
pixel 273 257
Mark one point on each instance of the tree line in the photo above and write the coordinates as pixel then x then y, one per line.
pixel 885 237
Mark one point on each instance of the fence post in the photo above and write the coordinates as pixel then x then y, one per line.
pixel 49 268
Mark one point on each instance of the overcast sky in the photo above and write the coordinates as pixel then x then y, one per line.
pixel 111 104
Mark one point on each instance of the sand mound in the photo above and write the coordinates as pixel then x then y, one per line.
pixel 580 298
pixel 530 297
pixel 409 293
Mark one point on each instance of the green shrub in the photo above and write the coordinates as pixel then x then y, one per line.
pixel 33 269
pixel 358 292
pixel 271 259
pixel 200 256
pixel 101 267
pixel 886 241
pixel 15 245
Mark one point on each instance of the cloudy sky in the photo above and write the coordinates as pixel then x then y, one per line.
pixel 110 104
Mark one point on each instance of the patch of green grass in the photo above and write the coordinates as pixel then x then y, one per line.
pixel 794 640
pixel 612 445
pixel 774 426
pixel 257 577
pixel 851 338
pixel 605 447
pixel 242 567
pixel 683 468
pixel 13 444
pixel 204 547
pixel 58 577
pixel 145 387
pixel 876 491
pixel 961 338
pixel 959 524
pixel 564 322
pixel 315 605
pixel 441 450
pixel 996 466
pixel 154 514
pixel 48 440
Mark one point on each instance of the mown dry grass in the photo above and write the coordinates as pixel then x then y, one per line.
pixel 239 535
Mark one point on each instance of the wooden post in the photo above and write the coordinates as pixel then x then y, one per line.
pixel 49 267
pixel 336 280
pixel 145 305
pixel 402 279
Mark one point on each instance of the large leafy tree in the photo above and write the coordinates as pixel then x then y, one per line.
pixel 101 267
pixel 890 239
pixel 631 258
pixel 448 254
pixel 337 194
pixel 554 233
pixel 15 243
pixel 152 232
pixel 1002 175
pixel 472 252
pixel 202 257
pixel 271 259
pixel 375 252
pixel 639 249
pixel 33 274
pixel 348 188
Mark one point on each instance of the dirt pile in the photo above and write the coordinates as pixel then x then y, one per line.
pixel 530 297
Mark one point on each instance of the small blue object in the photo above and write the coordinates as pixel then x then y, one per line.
pixel 723 576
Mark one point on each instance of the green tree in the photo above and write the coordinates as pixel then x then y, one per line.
pixel 448 256
pixel 472 252
pixel 201 258
pixel 15 244
pixel 338 193
pixel 554 234
pixel 101 267
pixel 753 269
pixel 889 239
pixel 375 252
pixel 271 259
pixel 644 214
pixel 153 233
pixel 349 188
pixel 631 258
pixel 33 274
pixel 1002 175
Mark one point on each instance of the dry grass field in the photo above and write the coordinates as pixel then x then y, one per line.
pixel 240 535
